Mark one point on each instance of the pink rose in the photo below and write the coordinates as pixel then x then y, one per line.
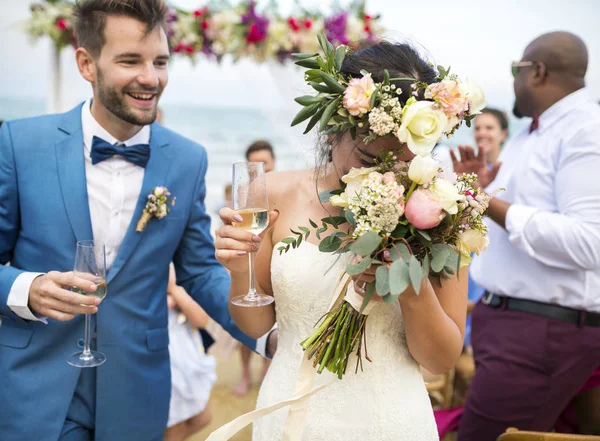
pixel 357 96
pixel 424 210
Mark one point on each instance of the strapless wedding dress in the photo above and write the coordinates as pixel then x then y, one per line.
pixel 387 401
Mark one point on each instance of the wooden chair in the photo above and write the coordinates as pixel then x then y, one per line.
pixel 513 434
pixel 441 388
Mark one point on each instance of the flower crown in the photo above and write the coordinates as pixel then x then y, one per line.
pixel 345 103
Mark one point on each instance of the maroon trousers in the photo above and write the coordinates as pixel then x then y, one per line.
pixel 528 368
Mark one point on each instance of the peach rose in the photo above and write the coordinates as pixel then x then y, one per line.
pixel 357 96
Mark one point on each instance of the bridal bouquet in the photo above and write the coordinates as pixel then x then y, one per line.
pixel 409 219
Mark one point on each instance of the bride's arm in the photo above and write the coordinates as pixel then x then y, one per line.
pixel 435 321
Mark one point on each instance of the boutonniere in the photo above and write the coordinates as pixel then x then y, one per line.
pixel 158 205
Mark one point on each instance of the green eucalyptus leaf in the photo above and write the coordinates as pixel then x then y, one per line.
pixel 399 277
pixel 330 244
pixel 416 273
pixel 349 215
pixel 366 244
pixel 424 234
pixel 382 280
pixel 426 264
pixel 386 77
pixel 359 268
pixel 370 292
pixel 440 256
pixel 390 298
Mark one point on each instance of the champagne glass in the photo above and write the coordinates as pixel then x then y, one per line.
pixel 249 191
pixel 90 264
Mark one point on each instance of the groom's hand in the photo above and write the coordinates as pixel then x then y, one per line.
pixel 50 296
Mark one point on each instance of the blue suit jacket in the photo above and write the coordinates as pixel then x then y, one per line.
pixel 43 212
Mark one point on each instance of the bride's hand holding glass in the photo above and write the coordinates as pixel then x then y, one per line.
pixel 233 244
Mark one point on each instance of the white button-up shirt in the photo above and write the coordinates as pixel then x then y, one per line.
pixel 113 187
pixel 550 250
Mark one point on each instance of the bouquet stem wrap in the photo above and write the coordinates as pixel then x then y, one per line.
pixel 341 333
pixel 143 221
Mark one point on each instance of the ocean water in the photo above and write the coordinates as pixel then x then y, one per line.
pixel 225 132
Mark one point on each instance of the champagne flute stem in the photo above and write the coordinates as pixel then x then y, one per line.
pixel 251 296
pixel 87 353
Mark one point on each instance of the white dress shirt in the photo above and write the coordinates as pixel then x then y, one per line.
pixel 550 250
pixel 113 187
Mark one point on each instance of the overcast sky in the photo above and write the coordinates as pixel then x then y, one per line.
pixel 478 39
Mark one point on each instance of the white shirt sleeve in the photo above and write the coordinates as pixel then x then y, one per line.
pixel 570 238
pixel 261 343
pixel 18 297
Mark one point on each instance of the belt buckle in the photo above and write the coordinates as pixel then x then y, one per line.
pixel 487 298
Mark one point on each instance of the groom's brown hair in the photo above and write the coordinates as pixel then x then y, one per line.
pixel 90 18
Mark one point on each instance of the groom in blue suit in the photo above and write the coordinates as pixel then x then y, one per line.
pixel 82 175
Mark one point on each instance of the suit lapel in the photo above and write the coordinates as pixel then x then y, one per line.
pixel 71 173
pixel 155 175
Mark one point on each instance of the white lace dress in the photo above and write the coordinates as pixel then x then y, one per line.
pixel 388 401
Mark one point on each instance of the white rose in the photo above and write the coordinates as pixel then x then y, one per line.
pixel 473 241
pixel 354 180
pixel 159 191
pixel 448 194
pixel 422 169
pixel 422 126
pixel 474 94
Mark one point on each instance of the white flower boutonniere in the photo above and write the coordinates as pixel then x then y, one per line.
pixel 158 205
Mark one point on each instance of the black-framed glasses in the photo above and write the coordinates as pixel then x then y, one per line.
pixel 515 65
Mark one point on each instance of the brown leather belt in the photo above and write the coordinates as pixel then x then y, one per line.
pixel 575 316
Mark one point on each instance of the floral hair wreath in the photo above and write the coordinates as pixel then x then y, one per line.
pixel 347 103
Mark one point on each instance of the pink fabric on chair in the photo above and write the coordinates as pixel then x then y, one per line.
pixel 567 423
pixel 447 420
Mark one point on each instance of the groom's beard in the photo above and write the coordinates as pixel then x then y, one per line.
pixel 115 102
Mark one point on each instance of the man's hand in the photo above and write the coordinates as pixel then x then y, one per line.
pixel 49 296
pixel 469 162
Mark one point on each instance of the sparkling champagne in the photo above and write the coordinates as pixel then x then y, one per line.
pixel 254 220
pixel 100 289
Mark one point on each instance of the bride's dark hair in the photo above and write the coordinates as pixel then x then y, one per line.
pixel 400 59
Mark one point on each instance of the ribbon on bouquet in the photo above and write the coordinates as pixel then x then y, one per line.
pixel 294 425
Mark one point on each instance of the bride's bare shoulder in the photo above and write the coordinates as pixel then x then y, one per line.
pixel 282 186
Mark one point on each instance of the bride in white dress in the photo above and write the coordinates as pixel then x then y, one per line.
pixel 387 401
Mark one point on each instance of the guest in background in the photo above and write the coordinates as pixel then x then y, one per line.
pixel 193 372
pixel 491 131
pixel 536 331
pixel 261 151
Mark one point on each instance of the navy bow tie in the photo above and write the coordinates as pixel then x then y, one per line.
pixel 138 154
